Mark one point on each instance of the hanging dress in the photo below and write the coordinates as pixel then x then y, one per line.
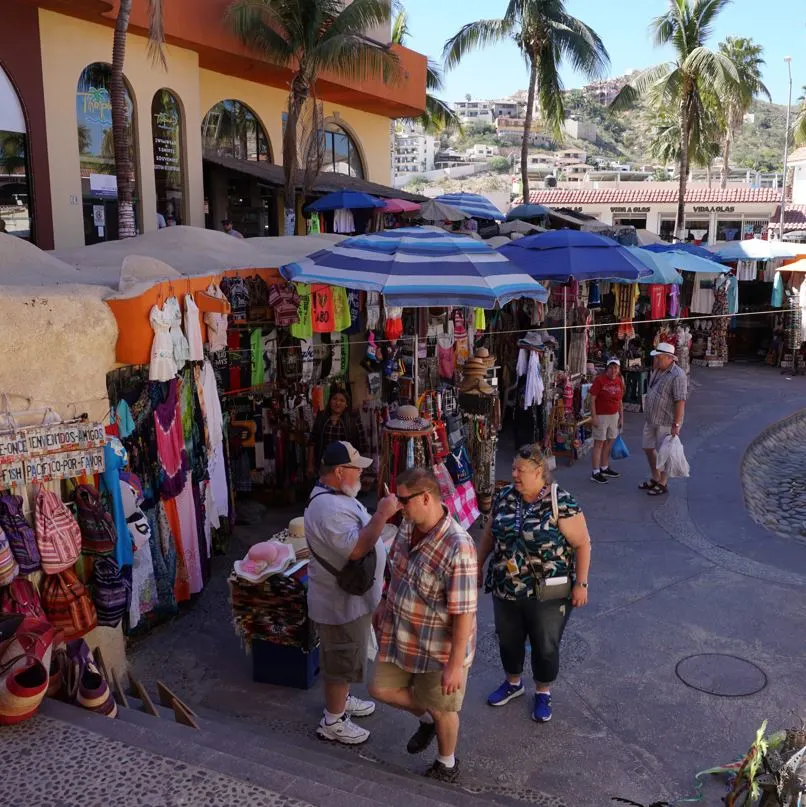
pixel 180 344
pixel 162 366
pixel 193 329
pixel 216 323
pixel 216 462
pixel 177 494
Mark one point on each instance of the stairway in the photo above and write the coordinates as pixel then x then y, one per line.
pixel 292 770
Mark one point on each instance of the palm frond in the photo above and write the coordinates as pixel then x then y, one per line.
pixel 156 33
pixel 400 28
pixel 433 77
pixel 550 90
pixel 355 57
pixel 475 35
pixel 355 19
pixel 713 68
pixel 438 115
pixel 799 127
pixel 580 45
pixel 641 85
pixel 256 24
pixel 704 14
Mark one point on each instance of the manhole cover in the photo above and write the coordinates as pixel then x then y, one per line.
pixel 573 649
pixel 721 674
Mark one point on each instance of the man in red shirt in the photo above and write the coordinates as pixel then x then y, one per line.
pixel 607 417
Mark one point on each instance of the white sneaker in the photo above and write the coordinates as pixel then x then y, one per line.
pixel 355 707
pixel 342 731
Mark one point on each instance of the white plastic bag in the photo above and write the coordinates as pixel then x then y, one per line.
pixel 671 458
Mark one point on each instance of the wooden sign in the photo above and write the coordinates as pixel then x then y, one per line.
pixel 12 446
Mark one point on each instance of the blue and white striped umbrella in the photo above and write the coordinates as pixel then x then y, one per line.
pixel 419 267
pixel 475 205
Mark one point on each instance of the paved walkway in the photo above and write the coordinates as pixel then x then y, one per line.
pixel 674 577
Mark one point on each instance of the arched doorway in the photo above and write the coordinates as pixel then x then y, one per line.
pixel 15 188
pixel 232 133
pixel 96 149
pixel 169 159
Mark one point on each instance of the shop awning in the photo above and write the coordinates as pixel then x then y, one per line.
pixel 326 182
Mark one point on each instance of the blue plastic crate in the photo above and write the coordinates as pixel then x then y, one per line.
pixel 283 665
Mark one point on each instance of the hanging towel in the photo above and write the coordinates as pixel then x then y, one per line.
pixel 778 291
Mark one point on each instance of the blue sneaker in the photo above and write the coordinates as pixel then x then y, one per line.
pixel 505 693
pixel 542 711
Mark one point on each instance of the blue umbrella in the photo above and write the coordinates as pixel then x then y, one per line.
pixel 527 212
pixel 690 262
pixel 564 254
pixel 419 267
pixel 475 205
pixel 662 268
pixel 344 200
pixel 681 246
pixel 756 249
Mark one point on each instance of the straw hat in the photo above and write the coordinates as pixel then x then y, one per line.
pixel 407 419
pixel 474 368
pixel 484 354
pixel 293 534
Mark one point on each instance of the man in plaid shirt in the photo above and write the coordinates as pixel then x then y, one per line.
pixel 427 623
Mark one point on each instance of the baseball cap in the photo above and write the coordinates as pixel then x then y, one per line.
pixel 664 349
pixel 343 453
pixel 615 361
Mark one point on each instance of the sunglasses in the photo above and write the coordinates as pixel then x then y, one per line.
pixel 404 500
pixel 526 454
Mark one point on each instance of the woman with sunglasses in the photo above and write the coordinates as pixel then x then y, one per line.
pixel 539 549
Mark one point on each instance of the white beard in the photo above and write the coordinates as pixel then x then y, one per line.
pixel 353 490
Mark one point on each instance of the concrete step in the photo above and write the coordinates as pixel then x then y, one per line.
pixel 317 777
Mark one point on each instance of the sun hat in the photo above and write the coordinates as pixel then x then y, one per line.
pixel 265 559
pixel 293 534
pixel 486 359
pixel 343 453
pixel 664 349
pixel 532 339
pixel 613 360
pixel 407 419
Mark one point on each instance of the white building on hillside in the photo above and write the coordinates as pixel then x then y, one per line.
pixel 474 111
pixel 580 129
pixel 413 153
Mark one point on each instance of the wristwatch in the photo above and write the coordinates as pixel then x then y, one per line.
pixel 584 585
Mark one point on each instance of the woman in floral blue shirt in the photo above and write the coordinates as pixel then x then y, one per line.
pixel 538 571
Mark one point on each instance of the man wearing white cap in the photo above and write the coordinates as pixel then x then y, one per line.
pixel 343 538
pixel 664 409
pixel 607 416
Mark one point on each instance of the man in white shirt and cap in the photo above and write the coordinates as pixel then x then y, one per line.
pixel 340 533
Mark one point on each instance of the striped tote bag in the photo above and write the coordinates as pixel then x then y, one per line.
pixel 58 535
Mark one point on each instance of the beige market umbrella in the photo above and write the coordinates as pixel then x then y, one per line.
pixel 439 211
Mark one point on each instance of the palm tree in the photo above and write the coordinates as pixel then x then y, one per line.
pixel 121 128
pixel 704 143
pixel 684 83
pixel 310 37
pixel 799 126
pixel 546 34
pixel 745 55
pixel 438 114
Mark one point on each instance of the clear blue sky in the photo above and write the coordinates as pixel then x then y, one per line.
pixel 778 25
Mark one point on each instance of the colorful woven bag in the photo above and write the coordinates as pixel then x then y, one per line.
pixel 58 535
pixel 9 567
pixel 98 535
pixel 21 598
pixel 68 604
pixel 21 536
pixel 24 668
pixel 110 592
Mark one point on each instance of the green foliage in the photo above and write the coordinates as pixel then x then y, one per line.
pixel 501 165
pixel 417 183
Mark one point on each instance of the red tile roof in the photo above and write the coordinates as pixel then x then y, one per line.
pixel 798 155
pixel 794 217
pixel 636 194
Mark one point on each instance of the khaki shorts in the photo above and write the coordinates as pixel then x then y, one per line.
pixel 343 650
pixel 654 435
pixel 607 428
pixel 426 687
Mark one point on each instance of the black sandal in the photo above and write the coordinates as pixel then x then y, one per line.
pixel 648 485
pixel 658 490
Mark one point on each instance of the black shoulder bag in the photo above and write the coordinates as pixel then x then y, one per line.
pixel 356 577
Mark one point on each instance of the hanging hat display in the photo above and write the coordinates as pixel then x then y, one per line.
pixel 408 418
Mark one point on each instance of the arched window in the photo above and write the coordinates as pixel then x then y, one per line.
pixel 231 129
pixel 341 153
pixel 96 146
pixel 169 159
pixel 15 187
